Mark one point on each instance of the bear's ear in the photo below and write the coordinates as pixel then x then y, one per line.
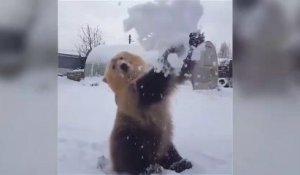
pixel 104 80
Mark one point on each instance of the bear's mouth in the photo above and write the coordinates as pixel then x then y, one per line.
pixel 123 66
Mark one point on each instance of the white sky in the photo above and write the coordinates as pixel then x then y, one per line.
pixel 216 21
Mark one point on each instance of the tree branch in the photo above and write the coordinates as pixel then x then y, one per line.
pixel 89 38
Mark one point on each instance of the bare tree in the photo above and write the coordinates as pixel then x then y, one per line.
pixel 224 51
pixel 89 39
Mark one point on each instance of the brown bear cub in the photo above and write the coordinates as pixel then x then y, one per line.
pixel 142 133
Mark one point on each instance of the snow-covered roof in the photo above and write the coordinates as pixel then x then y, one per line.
pixel 224 61
pixel 103 53
pixel 66 51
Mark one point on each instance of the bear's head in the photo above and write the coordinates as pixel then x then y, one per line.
pixel 123 68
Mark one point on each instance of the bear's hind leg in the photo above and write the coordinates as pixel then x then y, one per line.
pixel 127 155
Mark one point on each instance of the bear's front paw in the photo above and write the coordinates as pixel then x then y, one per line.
pixel 181 165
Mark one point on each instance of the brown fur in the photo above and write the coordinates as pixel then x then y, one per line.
pixel 134 127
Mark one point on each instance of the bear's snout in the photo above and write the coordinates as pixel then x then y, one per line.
pixel 124 67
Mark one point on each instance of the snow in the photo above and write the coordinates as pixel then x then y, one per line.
pixel 202 127
pixel 154 22
pixel 67 51
pixel 78 70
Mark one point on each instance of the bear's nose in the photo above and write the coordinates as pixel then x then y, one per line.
pixel 124 67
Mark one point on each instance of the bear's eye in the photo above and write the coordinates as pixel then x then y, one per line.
pixel 121 58
pixel 113 66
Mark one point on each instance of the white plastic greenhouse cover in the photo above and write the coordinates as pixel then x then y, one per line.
pixel 103 53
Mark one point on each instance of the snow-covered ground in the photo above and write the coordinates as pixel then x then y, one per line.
pixel 202 122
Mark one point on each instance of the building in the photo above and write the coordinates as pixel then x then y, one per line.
pixel 69 62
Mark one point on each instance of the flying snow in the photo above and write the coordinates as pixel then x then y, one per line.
pixel 160 24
